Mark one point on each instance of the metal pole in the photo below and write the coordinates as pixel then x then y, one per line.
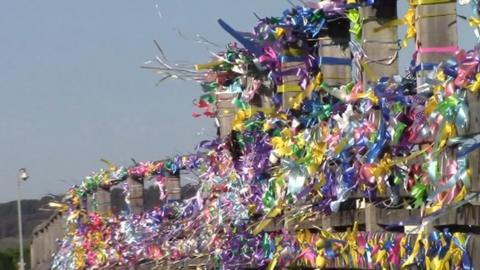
pixel 21 264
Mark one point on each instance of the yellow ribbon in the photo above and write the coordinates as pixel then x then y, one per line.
pixel 265 222
pixel 289 88
pixel 429 2
pixel 297 101
pixel 208 65
pixel 356 22
pixel 279 32
pixel 59 206
pixel 368 95
pixel 475 85
pixel 408 20
pixel 474 22
pixel 416 248
pixel 371 76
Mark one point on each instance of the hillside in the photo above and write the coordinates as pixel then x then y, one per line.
pixel 33 213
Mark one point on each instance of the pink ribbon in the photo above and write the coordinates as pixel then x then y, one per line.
pixel 270 57
pixel 449 49
pixel 467 66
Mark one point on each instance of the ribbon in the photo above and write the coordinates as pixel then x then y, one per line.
pixel 356 23
pixel 428 2
pixel 408 20
pixel 448 49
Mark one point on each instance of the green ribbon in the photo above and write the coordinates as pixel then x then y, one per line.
pixel 398 132
pixel 356 23
pixel 419 193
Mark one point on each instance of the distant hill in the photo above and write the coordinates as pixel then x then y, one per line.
pixel 33 213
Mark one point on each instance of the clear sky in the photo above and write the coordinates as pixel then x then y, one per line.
pixel 72 91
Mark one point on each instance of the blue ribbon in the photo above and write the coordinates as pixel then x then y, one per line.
pixel 323 60
pixel 248 44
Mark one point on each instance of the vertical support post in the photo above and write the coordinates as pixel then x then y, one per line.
pixel 103 198
pixel 84 204
pixel 380 47
pixel 473 245
pixel 174 189
pixel 435 31
pixel 33 251
pixel 135 195
pixel 225 113
pixel 371 224
pixel 43 253
pixel 383 44
pixel 290 87
pixel 336 45
pixel 84 208
pixel 91 203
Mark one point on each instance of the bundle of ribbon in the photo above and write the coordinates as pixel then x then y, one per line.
pixel 332 142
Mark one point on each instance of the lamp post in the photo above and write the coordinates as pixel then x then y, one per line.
pixel 22 176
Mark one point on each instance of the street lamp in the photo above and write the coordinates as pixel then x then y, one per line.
pixel 22 176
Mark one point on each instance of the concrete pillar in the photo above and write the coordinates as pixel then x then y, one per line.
pixel 173 187
pixel 135 190
pixel 225 113
pixel 336 45
pixel 103 198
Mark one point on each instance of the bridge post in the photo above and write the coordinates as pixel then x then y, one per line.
pixel 225 113
pixel 336 45
pixel 135 195
pixel 380 45
pixel 103 198
pixel 381 48
pixel 173 187
pixel 34 250
pixel 433 32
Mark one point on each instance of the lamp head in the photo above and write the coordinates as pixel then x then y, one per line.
pixel 23 174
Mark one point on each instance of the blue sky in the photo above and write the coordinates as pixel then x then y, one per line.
pixel 72 91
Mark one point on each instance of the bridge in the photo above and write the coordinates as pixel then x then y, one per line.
pixel 357 210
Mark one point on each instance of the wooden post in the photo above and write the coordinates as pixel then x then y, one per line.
pixel 84 203
pixel 378 45
pixel 336 45
pixel 473 248
pixel 225 113
pixel 434 31
pixel 103 199
pixel 135 196
pixel 371 224
pixel 290 87
pixel 91 204
pixel 381 44
pixel 173 187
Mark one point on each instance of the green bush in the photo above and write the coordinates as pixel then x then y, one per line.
pixel 10 257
